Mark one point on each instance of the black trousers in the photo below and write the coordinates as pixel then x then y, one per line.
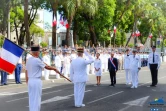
pixel 113 77
pixel 154 73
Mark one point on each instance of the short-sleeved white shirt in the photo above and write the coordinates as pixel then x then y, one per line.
pixel 28 56
pixel 34 67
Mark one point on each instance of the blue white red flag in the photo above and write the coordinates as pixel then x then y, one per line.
pixel 10 55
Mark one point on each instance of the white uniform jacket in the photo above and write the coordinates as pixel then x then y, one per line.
pixel 126 63
pixel 58 61
pixel 78 69
pixel 135 62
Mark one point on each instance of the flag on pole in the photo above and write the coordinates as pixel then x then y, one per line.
pixel 54 23
pixel 114 29
pixel 137 33
pixel 150 36
pixel 133 34
pixel 10 55
pixel 66 23
pixel 61 20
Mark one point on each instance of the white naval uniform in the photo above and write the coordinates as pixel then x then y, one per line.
pixel 97 65
pixel 88 66
pixel 79 76
pixel 102 62
pixel 92 66
pixel 34 68
pixel 135 63
pixel 66 69
pixel 105 61
pixel 126 66
pixel 46 59
pixel 58 64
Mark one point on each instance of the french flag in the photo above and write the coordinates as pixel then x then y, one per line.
pixel 10 55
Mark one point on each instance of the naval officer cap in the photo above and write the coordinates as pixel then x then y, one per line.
pixel 35 48
pixel 134 50
pixel 80 50
pixel 153 47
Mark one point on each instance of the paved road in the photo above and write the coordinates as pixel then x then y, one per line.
pixel 58 95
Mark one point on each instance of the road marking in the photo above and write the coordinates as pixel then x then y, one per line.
pixel 27 97
pixel 138 102
pixel 105 97
pixel 54 99
pixel 59 98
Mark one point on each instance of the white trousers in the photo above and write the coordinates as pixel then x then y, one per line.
pixel 34 92
pixel 134 77
pixel 105 67
pixel 46 74
pixel 88 69
pixel 66 70
pixel 92 68
pixel 79 90
pixel 128 76
pixel 57 75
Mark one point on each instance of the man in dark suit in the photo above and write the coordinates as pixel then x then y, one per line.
pixel 113 68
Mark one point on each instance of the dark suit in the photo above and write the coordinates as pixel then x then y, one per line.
pixel 112 70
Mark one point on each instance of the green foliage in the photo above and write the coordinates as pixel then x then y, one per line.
pixel 131 45
pixel 43 44
pixel 1 40
pixel 164 42
pixel 80 42
pixel 36 31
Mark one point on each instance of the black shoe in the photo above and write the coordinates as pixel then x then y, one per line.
pixel 20 82
pixel 5 84
pixel 152 85
pixel 112 85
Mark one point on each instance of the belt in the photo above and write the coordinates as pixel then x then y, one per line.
pixel 153 63
pixel 34 77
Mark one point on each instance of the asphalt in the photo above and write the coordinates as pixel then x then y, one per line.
pixel 57 95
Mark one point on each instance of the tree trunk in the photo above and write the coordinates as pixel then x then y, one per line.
pixel 5 17
pixel 17 37
pixel 92 35
pixel 26 22
pixel 22 35
pixel 68 31
pixel 75 32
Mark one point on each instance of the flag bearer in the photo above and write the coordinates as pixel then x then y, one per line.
pixel 34 67
pixel 79 76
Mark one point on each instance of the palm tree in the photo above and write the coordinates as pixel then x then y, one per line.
pixel 87 7
pixel 54 6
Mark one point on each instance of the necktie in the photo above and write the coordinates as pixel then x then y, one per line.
pixel 153 57
pixel 134 56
